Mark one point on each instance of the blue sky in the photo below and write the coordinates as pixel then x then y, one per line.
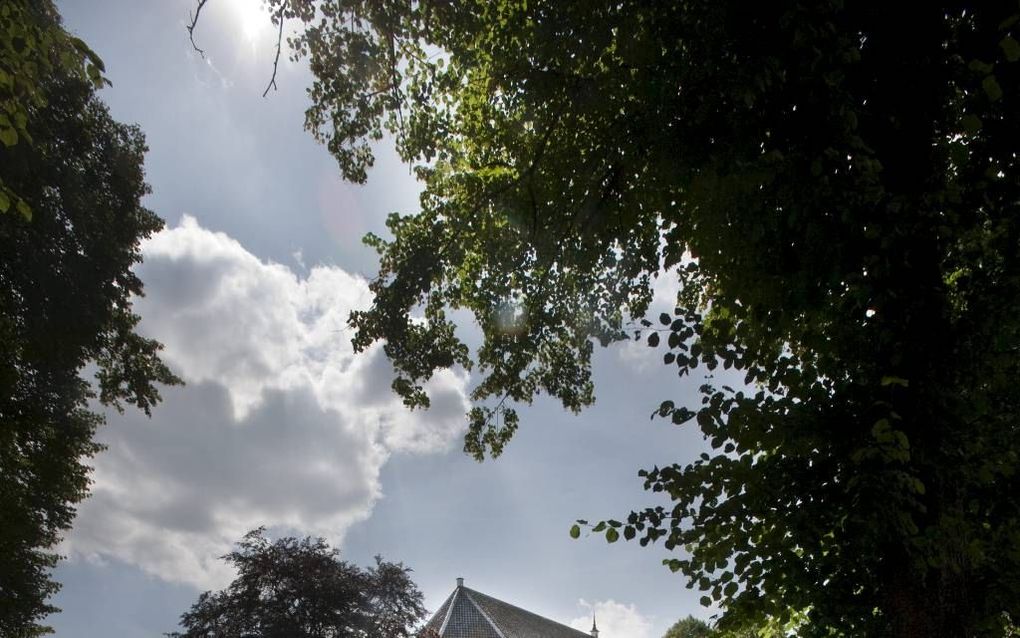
pixel 280 423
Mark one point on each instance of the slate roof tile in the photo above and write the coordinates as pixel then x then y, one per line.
pixel 471 614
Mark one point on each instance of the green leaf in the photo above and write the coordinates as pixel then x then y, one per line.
pixel 992 88
pixel 653 340
pixel 705 601
pixel 8 136
pixel 971 123
pixel 24 209
pixel 575 531
pixel 681 416
pixel 665 408
pixel 980 66
pixel 1011 48
pixel 918 486
pixel 612 535
pixel 895 381
pixel 5 202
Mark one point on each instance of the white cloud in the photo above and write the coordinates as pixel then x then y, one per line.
pixel 281 424
pixel 615 620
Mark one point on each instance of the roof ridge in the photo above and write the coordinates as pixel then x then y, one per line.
pixel 449 611
pixel 485 615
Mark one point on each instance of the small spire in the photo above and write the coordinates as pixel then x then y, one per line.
pixel 460 582
pixel 594 629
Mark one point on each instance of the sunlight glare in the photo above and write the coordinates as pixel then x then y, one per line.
pixel 251 17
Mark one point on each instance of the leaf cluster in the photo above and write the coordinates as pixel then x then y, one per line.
pixel 835 186
pixel 33 47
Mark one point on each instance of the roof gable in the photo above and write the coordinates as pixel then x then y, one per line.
pixel 471 614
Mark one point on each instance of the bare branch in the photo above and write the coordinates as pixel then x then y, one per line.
pixel 194 22
pixel 279 43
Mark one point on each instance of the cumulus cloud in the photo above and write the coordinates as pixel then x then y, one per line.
pixel 280 423
pixel 615 620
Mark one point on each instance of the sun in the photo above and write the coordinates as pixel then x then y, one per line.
pixel 252 18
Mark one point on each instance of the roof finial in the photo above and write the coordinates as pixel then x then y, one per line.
pixel 594 629
pixel 460 582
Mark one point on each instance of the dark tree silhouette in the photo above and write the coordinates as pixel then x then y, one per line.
pixel 302 589
pixel 71 219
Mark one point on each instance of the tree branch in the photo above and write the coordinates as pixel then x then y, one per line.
pixel 279 42
pixel 396 83
pixel 194 22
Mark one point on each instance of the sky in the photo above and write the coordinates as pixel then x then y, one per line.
pixel 280 423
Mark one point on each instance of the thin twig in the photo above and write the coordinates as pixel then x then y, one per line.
pixel 495 411
pixel 191 27
pixel 396 84
pixel 279 42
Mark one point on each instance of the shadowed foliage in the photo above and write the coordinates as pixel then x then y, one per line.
pixel 34 47
pixel 65 299
pixel 301 589
pixel 835 186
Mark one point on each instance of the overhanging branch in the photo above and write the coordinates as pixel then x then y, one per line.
pixel 279 43
pixel 194 22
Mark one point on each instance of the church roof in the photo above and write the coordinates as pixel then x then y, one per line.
pixel 471 614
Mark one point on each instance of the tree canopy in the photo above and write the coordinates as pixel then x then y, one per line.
pixel 302 589
pixel 33 47
pixel 689 627
pixel 65 302
pixel 834 185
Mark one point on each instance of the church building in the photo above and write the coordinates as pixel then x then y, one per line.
pixel 471 614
